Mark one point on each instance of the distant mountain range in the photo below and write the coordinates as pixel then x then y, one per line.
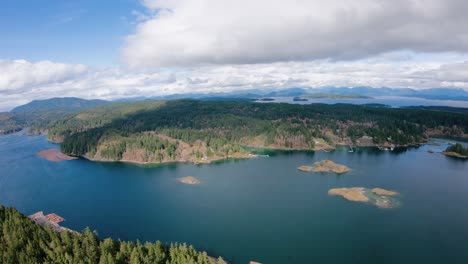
pixel 337 92
pixel 435 93
pixel 72 104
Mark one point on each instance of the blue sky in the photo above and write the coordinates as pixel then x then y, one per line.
pixel 131 48
pixel 85 31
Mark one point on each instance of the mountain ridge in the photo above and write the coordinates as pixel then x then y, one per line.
pixel 63 103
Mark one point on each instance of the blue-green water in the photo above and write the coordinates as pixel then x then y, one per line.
pixel 259 209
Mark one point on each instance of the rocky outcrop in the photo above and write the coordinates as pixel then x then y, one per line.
pixel 54 155
pixel 325 166
pixel 379 197
pixel 189 180
pixel 454 154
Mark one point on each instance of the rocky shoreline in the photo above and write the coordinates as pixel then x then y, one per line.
pixel 454 154
pixel 200 161
pixel 206 160
pixel 54 155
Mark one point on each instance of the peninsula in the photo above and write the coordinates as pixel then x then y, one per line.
pixel 205 131
pixel 54 155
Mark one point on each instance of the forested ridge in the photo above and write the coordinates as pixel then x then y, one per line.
pixel 157 131
pixel 36 115
pixel 23 241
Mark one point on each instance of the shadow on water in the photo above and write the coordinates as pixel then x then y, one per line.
pixel 378 152
pixel 455 161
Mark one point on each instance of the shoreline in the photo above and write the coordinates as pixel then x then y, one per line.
pixel 454 155
pixel 143 163
pixel 273 149
pixel 246 156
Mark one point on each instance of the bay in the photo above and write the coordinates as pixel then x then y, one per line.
pixel 260 209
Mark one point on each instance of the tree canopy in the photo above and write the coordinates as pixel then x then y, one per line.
pixel 23 241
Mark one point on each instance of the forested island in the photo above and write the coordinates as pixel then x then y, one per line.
pixel 201 131
pixel 457 150
pixel 23 241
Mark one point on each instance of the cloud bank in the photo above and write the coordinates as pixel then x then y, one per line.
pixel 22 81
pixel 18 75
pixel 201 46
pixel 199 32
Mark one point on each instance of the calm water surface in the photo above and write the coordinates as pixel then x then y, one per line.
pixel 260 209
pixel 393 101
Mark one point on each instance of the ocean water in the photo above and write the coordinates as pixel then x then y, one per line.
pixel 393 101
pixel 260 209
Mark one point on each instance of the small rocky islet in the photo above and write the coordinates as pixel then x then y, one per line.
pixel 325 166
pixel 190 180
pixel 379 197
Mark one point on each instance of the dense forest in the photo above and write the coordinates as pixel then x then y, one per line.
pixel 156 131
pixel 8 124
pixel 23 241
pixel 458 148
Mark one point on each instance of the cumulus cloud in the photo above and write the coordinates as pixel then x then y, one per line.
pixel 20 75
pixel 199 32
pixel 23 81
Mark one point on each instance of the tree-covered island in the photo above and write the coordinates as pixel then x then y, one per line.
pixel 457 150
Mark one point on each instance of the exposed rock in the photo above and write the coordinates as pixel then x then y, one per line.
pixel 328 166
pixel 379 197
pixel 454 154
pixel 48 220
pixel 383 192
pixel 54 155
pixel 305 168
pixel 189 180
pixel 355 194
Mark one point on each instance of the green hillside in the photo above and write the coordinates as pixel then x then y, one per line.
pixel 38 113
pixel 159 131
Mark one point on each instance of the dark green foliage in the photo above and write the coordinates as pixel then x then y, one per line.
pixel 8 124
pixel 458 148
pixel 23 241
pixel 226 124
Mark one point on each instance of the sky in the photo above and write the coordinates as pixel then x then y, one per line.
pixel 130 48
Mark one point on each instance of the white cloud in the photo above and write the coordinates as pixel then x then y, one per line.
pixel 23 81
pixel 18 75
pixel 199 32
